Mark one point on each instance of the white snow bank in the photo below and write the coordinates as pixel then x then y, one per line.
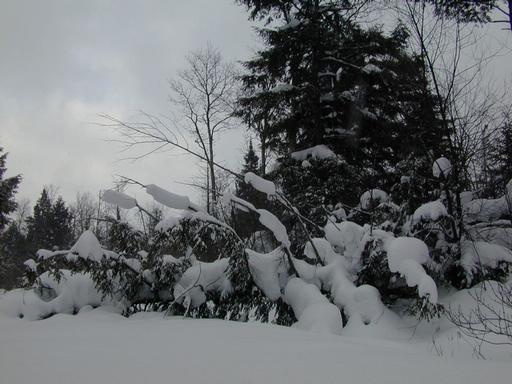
pixel 201 278
pixel 260 184
pixel 372 196
pixel 442 167
pixel 269 271
pixel 167 198
pixel 431 211
pixel 118 198
pixel 405 256
pixel 478 254
pixel 311 308
pixel 102 347
pixel 318 152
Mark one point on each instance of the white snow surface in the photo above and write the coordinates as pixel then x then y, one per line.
pixel 120 199
pixel 406 256
pixel 167 198
pixel 318 152
pixel 442 167
pixel 260 184
pixel 431 211
pixel 99 346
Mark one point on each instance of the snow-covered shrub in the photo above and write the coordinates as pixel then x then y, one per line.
pixel 320 276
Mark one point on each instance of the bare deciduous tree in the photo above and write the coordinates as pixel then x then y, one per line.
pixel 205 94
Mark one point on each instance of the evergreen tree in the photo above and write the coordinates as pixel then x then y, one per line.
pixel 13 253
pixel 329 81
pixel 245 222
pixel 50 226
pixel 7 190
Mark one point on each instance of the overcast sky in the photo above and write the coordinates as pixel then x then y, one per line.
pixel 62 63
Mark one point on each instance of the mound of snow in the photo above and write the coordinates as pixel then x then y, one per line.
pixel 442 167
pixel 68 295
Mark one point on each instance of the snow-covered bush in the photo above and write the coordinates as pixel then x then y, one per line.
pixel 320 276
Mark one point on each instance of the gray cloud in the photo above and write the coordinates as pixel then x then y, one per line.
pixel 63 63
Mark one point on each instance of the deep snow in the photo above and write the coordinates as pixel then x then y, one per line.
pixel 98 346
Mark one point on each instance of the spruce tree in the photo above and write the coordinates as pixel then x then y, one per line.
pixel 8 188
pixel 329 81
pixel 50 226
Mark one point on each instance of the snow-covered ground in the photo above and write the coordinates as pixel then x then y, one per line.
pixel 99 346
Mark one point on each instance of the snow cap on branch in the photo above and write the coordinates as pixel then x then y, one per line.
pixel 118 198
pixel 405 256
pixel 318 152
pixel 167 198
pixel 260 184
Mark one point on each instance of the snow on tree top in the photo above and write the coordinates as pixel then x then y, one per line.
pixel 118 198
pixel 167 198
pixel 442 167
pixel 260 184
pixel 319 152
